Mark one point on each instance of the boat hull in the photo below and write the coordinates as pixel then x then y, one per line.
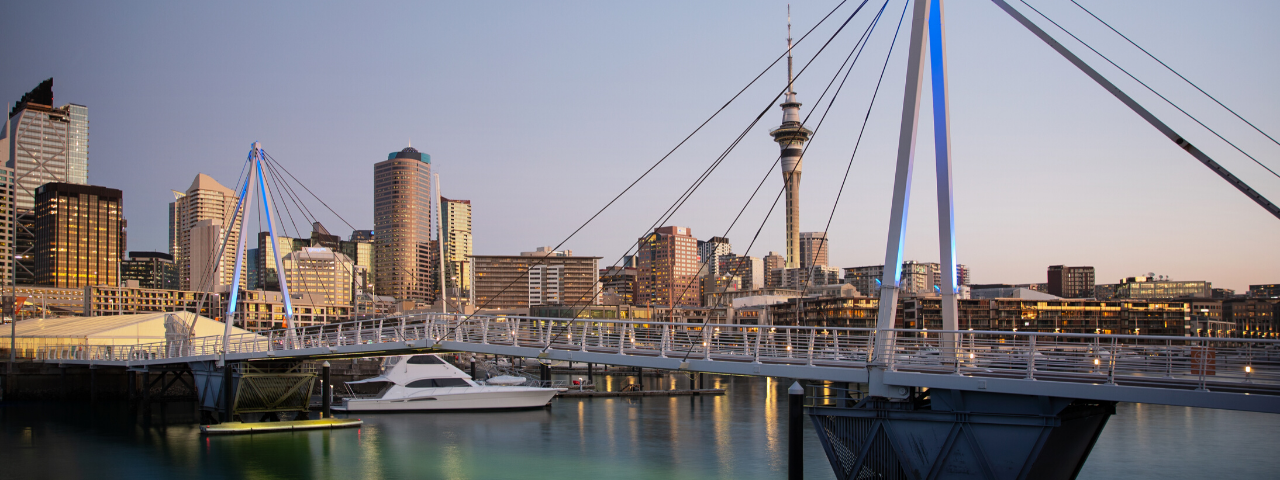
pixel 459 399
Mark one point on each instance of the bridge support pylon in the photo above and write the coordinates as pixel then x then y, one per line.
pixel 954 434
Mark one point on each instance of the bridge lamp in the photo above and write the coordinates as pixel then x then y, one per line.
pixel 1248 369
pixel 788 348
pixel 1096 362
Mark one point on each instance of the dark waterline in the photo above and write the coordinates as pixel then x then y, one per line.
pixel 738 435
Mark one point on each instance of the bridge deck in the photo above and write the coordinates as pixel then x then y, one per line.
pixel 1239 374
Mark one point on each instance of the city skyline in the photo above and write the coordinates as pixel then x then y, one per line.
pixel 1049 169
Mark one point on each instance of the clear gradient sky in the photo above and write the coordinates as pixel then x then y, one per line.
pixel 540 112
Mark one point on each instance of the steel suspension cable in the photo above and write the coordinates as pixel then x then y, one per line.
pixel 1152 90
pixel 1175 72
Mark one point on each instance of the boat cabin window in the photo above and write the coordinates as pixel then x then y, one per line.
pixel 438 382
pixel 425 360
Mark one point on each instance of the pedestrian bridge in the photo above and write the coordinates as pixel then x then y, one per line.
pixel 1227 373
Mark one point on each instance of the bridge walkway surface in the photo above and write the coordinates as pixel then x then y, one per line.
pixel 1228 373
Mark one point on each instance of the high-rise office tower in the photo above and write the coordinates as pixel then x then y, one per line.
pixel 175 237
pixel 404 254
pixel 47 144
pixel 455 218
pixel 813 249
pixel 668 272
pixel 208 206
pixel 6 209
pixel 791 137
pixel 79 235
pixel 772 262
pixel 709 253
pixel 265 263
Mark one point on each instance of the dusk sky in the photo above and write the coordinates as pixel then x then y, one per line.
pixel 539 113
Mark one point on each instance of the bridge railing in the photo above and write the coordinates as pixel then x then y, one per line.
pixel 1202 362
pixel 1199 362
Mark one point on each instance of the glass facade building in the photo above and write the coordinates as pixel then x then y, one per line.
pixel 404 253
pixel 79 235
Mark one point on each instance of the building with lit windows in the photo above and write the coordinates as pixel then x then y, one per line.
pixel 327 275
pixel 542 277
pixel 79 235
pixel 405 255
pixel 813 249
pixel 668 268
pixel 455 218
pixel 150 270
pixel 1149 287
pixel 1071 282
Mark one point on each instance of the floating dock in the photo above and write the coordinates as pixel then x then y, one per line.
pixel 641 393
pixel 237 428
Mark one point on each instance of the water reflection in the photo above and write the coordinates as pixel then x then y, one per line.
pixel 739 435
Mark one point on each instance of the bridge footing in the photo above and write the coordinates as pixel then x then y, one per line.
pixel 954 434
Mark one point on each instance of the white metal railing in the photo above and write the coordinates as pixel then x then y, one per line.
pixel 1173 361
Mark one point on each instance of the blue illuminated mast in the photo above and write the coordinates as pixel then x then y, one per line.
pixel 256 157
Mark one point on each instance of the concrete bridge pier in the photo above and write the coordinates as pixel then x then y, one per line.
pixel 955 434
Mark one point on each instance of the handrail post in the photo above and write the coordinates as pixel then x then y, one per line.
pixel 666 337
pixel 484 331
pixel 759 334
pixel 1168 359
pixel 706 344
pixel 1031 357
pixel 812 337
pixel 1111 363
pixel 583 340
pixel 789 343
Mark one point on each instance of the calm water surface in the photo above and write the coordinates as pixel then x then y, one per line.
pixel 739 435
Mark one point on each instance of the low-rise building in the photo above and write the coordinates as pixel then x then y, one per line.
pixel 150 270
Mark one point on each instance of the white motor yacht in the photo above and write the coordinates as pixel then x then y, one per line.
pixel 427 382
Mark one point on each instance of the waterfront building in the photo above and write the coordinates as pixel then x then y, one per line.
pixel 865 279
pixel 361 236
pixel 264 310
pixel 326 275
pixel 791 137
pixel 541 277
pixel 1150 287
pixel 404 251
pixel 98 300
pixel 772 262
pixel 668 272
pixel 1165 318
pixel 1071 282
pixel 79 235
pixel 1260 291
pixel 813 249
pixel 964 275
pixel 205 215
pixel 709 253
pixel 1252 317
pixel 455 218
pixel 618 285
pixel 150 270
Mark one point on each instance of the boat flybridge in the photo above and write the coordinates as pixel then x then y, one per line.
pixel 427 382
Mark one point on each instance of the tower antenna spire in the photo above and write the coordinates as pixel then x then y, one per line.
pixel 790 87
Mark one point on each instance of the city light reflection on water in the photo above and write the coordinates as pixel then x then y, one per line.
pixel 739 435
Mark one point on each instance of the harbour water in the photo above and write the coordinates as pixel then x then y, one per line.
pixel 738 435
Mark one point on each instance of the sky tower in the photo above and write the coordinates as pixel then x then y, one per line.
pixel 791 137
